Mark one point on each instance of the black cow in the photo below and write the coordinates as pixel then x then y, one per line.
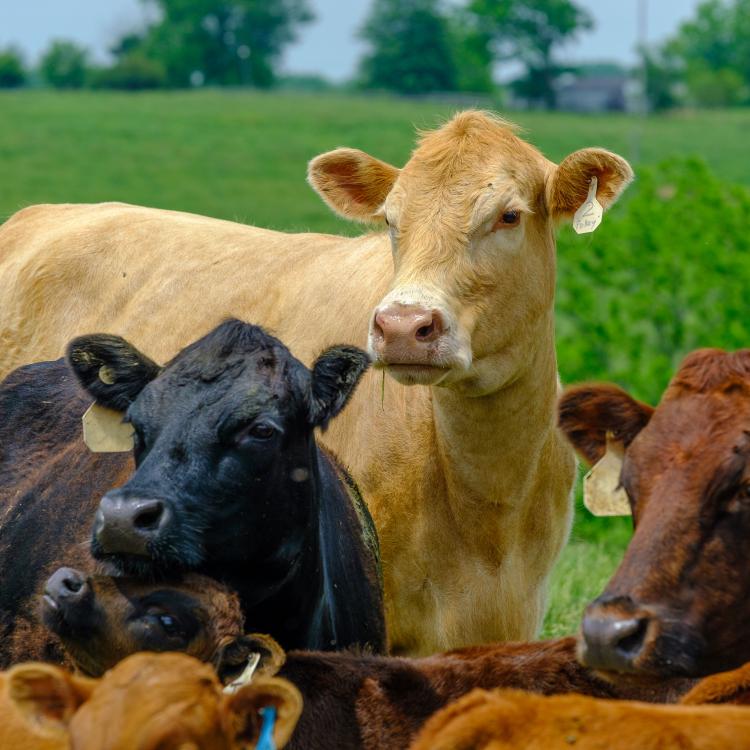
pixel 228 481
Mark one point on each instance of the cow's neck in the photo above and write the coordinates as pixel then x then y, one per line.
pixel 489 444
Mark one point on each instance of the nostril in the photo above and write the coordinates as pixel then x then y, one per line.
pixel 148 518
pixel 73 585
pixel 631 636
pixel 425 331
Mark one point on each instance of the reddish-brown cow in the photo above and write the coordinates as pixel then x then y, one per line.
pixel 679 603
pixel 148 701
pixel 508 719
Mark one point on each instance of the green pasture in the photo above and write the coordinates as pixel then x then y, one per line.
pixel 668 271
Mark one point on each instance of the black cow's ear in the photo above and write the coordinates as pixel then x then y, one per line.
pixel 335 375
pixel 113 371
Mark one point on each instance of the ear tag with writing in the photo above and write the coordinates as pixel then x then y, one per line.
pixel 601 494
pixel 588 217
pixel 105 432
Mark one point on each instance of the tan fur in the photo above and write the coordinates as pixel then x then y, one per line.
pixel 509 719
pixel 469 483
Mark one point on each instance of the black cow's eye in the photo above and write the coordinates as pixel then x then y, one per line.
pixel 256 431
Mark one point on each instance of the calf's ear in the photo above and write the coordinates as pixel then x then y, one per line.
pixel 243 717
pixel 233 654
pixel 568 185
pixel 46 696
pixel 335 375
pixel 586 413
pixel 113 371
pixel 353 183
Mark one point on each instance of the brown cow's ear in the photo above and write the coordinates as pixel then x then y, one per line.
pixel 353 183
pixel 242 711
pixel 568 185
pixel 588 412
pixel 47 696
pixel 113 371
pixel 233 654
pixel 335 375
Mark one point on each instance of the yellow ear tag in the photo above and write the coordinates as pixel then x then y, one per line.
pixel 601 494
pixel 105 432
pixel 588 217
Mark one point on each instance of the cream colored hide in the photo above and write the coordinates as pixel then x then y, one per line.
pixel 459 458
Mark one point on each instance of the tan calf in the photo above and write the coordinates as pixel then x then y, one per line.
pixel 457 453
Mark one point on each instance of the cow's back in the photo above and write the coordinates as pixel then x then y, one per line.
pixel 50 485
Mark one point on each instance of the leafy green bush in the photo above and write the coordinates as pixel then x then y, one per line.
pixel 64 65
pixel 131 72
pixel 667 272
pixel 12 71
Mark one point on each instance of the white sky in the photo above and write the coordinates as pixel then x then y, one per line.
pixel 329 45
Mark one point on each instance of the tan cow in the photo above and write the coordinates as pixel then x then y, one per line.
pixel 465 472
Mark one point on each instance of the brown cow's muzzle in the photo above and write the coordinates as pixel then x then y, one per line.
pixel 614 635
pixel 407 335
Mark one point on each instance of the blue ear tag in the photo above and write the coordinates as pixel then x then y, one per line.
pixel 265 738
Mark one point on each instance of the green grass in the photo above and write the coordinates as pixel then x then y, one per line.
pixel 242 156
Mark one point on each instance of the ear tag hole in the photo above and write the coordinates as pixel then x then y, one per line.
pixel 588 217
pixel 601 494
pixel 107 375
pixel 105 432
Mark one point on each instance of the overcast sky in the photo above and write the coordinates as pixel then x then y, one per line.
pixel 328 46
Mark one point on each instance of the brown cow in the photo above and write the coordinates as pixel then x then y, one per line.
pixel 148 701
pixel 508 720
pixel 469 483
pixel 679 604
pixel 101 620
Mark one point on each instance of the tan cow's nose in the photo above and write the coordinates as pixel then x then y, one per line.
pixel 403 334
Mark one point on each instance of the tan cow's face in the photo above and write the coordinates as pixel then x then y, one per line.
pixel 471 219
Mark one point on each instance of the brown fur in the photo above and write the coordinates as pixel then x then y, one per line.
pixel 725 687
pixel 380 703
pixel 687 472
pixel 505 720
pixel 146 701
pixel 468 483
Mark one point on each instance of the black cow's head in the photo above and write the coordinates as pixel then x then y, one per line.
pixel 225 456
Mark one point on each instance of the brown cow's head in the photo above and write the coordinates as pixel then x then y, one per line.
pixel 101 620
pixel 471 219
pixel 151 702
pixel 679 603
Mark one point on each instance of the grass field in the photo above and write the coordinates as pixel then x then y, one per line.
pixel 242 157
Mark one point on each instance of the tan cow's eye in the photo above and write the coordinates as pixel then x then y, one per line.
pixel 507 220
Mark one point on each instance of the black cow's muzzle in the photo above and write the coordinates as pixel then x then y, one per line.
pixel 129 525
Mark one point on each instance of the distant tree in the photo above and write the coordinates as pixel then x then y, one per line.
pixel 218 42
pixel 662 79
pixel 410 47
pixel 530 32
pixel 64 65
pixel 132 72
pixel 712 51
pixel 12 70
pixel 472 52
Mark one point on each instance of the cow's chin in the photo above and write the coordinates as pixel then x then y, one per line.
pixel 414 374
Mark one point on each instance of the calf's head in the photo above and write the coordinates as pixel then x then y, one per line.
pixel 679 603
pixel 471 219
pixel 101 620
pixel 151 702
pixel 226 462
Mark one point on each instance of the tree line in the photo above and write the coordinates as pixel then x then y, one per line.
pixel 413 47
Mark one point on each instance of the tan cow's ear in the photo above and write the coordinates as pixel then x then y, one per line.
pixel 233 654
pixel 568 185
pixel 243 715
pixel 47 696
pixel 353 183
pixel 586 413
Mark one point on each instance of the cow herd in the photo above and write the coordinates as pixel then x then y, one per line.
pixel 340 535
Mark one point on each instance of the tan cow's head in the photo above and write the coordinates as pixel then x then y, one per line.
pixel 471 218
